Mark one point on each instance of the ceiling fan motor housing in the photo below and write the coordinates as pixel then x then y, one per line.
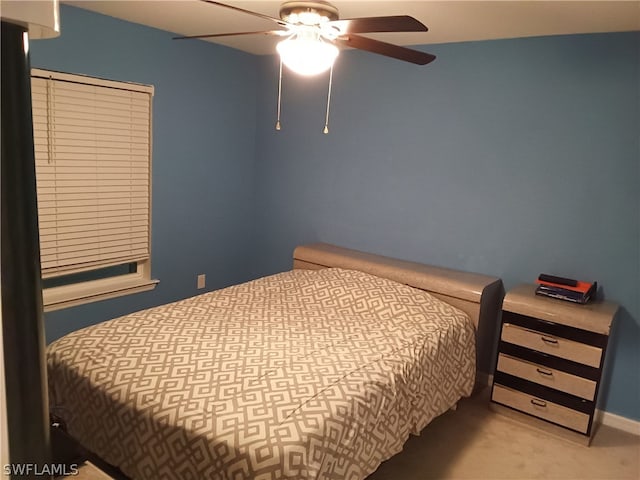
pixel 308 13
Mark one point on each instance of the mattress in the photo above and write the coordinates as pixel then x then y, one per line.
pixel 300 375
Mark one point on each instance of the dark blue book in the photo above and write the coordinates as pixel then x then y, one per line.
pixel 566 294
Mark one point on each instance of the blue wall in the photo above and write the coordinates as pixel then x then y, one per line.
pixel 204 128
pixel 508 158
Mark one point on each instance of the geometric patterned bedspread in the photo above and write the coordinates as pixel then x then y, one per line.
pixel 300 375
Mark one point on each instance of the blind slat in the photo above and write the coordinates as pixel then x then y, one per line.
pixel 72 159
pixel 40 129
pixel 136 238
pixel 80 209
pixel 61 237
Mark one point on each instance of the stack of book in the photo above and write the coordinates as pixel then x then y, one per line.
pixel 566 288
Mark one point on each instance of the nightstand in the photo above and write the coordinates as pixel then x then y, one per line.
pixel 549 362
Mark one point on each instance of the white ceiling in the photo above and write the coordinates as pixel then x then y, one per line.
pixel 448 21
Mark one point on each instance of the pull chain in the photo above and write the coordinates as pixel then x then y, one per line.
pixel 326 119
pixel 278 127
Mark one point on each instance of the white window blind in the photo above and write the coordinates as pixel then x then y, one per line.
pixel 92 147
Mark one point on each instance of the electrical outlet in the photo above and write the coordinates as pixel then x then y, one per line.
pixel 201 280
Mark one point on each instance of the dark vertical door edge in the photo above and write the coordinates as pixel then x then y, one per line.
pixel 22 317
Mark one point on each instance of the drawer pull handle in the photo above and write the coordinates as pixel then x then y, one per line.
pixel 538 403
pixel 549 340
pixel 544 372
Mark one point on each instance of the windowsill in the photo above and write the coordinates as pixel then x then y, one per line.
pixel 56 298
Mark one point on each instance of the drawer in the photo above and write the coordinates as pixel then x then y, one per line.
pixel 540 408
pixel 556 329
pixel 549 377
pixel 552 345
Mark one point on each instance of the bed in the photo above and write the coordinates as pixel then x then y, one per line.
pixel 321 372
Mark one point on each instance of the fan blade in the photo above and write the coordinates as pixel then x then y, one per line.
pixel 386 49
pixel 396 23
pixel 242 10
pixel 213 35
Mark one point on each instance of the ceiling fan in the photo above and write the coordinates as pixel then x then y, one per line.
pixel 313 30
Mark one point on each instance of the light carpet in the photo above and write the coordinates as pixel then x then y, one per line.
pixel 476 443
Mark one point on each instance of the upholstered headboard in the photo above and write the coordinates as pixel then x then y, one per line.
pixel 479 296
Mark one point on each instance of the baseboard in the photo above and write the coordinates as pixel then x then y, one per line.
pixel 616 421
pixel 605 418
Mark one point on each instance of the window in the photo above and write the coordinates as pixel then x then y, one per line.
pixel 92 142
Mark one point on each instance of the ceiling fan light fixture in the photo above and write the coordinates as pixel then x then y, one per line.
pixel 307 55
